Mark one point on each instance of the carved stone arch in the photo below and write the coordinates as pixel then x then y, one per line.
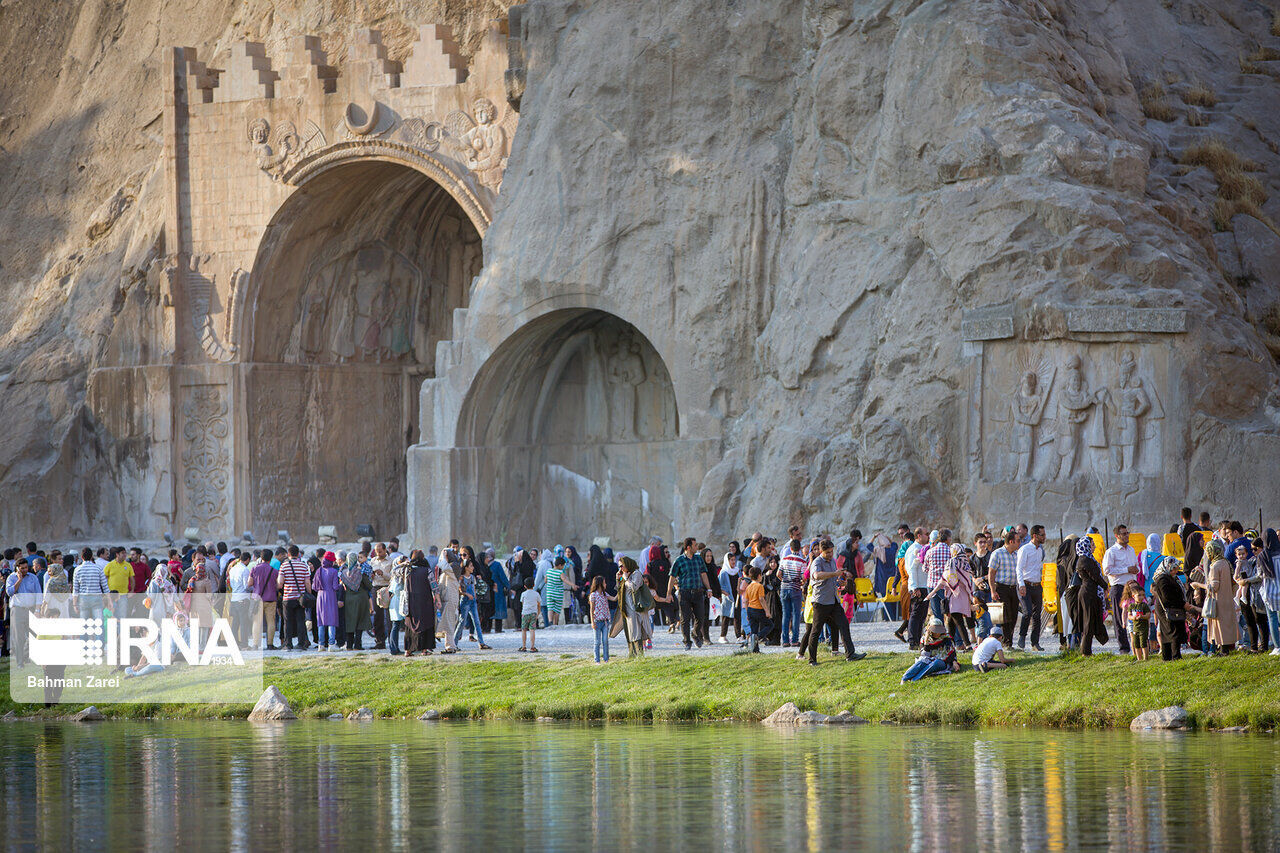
pixel 355 280
pixel 341 153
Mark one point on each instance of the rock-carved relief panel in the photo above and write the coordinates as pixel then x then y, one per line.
pixel 1056 413
pixel 327 446
pixel 603 384
pixel 206 457
pixel 359 305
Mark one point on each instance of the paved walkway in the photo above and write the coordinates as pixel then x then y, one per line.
pixel 578 641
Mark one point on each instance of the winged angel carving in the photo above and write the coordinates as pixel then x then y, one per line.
pixel 275 150
pixel 482 142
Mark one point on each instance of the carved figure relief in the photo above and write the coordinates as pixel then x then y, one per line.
pixel 276 150
pixel 206 457
pixel 199 289
pixel 626 373
pixel 1077 420
pixel 1136 411
pixel 1108 427
pixel 358 305
pixel 1028 409
pixel 482 142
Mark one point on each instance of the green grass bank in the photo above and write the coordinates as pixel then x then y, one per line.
pixel 1069 691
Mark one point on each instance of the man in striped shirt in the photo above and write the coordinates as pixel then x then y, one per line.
pixel 935 566
pixel 89 589
pixel 294 580
pixel 1002 576
pixel 791 569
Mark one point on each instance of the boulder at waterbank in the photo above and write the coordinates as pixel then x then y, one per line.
pixel 271 706
pixel 1173 717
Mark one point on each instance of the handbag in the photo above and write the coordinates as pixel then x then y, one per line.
pixel 644 598
pixel 1210 610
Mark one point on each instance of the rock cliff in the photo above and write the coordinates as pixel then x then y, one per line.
pixel 871 236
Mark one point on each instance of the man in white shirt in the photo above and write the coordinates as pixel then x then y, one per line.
pixel 241 601
pixel 918 582
pixel 1120 565
pixel 1030 592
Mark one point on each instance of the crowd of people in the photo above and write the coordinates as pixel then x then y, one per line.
pixel 1199 586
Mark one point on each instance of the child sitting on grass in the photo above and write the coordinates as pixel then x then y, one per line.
pixel 1137 616
pixel 989 654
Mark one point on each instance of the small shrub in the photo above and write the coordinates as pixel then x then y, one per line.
pixel 1264 54
pixel 1275 23
pixel 1236 185
pixel 1248 66
pixel 1200 95
pixel 1196 118
pixel 1154 105
pixel 1215 156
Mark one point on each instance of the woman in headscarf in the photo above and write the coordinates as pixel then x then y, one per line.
pixel 396 603
pixel 1170 607
pixel 957 584
pixel 420 607
pixel 729 593
pixel 326 585
pixel 713 578
pixel 633 616
pixel 658 570
pixel 1088 613
pixel 160 590
pixel 1220 588
pixel 598 567
pixel 500 587
pixel 1066 570
pixel 357 616
pixel 1269 568
pixel 449 588
pixel 575 588
pixel 57 591
pixel 198 601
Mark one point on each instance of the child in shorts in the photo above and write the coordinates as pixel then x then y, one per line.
pixel 530 605
pixel 1137 615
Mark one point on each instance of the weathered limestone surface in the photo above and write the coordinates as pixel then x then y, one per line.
pixel 750 262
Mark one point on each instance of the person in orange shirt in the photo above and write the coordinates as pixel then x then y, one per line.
pixel 758 613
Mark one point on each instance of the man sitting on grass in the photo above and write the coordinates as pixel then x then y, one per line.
pixel 989 654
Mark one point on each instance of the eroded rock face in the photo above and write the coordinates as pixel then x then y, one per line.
pixel 891 260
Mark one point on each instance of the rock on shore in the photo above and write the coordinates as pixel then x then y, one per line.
pixel 271 706
pixel 1172 718
pixel 790 715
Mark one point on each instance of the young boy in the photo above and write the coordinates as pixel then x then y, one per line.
pixel 757 609
pixel 989 654
pixel 530 605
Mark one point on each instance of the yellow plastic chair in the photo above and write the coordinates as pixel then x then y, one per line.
pixel 1099 546
pixel 1049 584
pixel 1173 546
pixel 864 591
pixel 890 596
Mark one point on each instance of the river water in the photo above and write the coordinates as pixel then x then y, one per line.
pixel 550 786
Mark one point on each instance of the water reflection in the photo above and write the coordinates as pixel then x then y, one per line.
pixel 402 785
